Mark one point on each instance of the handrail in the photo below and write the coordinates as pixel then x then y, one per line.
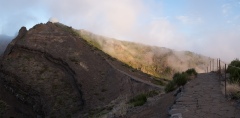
pixel 221 70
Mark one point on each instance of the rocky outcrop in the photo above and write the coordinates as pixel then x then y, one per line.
pixel 55 73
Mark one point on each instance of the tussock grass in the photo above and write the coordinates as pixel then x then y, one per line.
pixel 233 90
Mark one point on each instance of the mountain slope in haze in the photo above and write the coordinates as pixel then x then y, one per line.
pixel 157 61
pixel 49 71
pixel 4 41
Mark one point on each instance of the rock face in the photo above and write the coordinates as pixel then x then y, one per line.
pixel 49 71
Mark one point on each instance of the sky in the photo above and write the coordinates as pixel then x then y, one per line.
pixel 207 27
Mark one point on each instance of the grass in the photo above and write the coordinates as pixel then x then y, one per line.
pixel 191 71
pixel 233 90
pixel 234 71
pixel 138 100
pixel 141 99
pixel 170 87
pixel 180 79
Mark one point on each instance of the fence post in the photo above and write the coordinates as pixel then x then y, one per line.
pixel 210 66
pixel 213 65
pixel 207 69
pixel 225 81
pixel 219 69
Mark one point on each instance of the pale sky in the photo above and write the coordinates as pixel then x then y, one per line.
pixel 208 27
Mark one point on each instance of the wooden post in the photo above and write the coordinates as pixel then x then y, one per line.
pixel 210 66
pixel 225 80
pixel 207 69
pixel 219 67
pixel 213 64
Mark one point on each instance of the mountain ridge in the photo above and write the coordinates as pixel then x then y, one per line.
pixel 160 62
pixel 54 73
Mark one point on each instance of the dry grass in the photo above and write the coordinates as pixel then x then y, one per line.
pixel 231 88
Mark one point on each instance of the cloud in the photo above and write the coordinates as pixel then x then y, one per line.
pixel 226 9
pixel 14 14
pixel 108 17
pixel 194 25
pixel 53 20
pixel 189 20
pixel 163 33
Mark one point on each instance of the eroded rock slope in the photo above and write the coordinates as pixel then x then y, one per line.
pixel 51 72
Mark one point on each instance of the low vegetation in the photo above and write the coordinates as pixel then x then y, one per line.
pixel 191 71
pixel 234 71
pixel 233 90
pixel 141 99
pixel 232 87
pixel 155 61
pixel 180 79
pixel 138 100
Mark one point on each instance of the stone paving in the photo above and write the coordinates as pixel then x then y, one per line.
pixel 202 98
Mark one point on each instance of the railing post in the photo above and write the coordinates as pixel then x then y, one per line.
pixel 210 66
pixel 219 67
pixel 213 64
pixel 225 81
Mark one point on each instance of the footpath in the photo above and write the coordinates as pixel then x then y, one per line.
pixel 203 98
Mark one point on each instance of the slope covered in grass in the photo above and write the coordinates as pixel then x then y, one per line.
pixel 157 61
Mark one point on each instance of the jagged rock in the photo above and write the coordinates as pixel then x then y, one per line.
pixel 52 72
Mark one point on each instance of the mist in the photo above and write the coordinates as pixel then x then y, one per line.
pixel 206 27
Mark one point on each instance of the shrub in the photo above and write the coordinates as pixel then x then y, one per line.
pixel 191 71
pixel 180 79
pixel 139 100
pixel 170 86
pixel 233 71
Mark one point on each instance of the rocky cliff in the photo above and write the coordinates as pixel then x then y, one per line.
pixel 49 71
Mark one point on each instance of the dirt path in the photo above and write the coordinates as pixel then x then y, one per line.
pixel 202 98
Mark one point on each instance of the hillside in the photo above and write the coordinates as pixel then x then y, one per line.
pixel 49 71
pixel 156 61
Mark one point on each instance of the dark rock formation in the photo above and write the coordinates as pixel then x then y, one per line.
pixel 51 72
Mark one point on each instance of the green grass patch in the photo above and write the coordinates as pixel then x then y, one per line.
pixel 170 87
pixel 138 100
pixel 180 79
pixel 234 71
pixel 191 71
